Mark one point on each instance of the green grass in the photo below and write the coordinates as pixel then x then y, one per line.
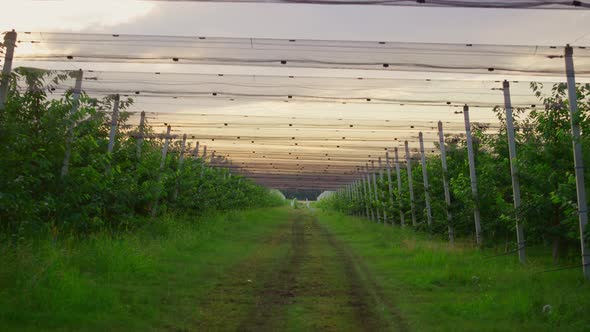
pixel 148 280
pixel 443 288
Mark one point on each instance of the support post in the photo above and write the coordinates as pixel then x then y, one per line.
pixel 473 176
pixel 114 121
pixel 389 184
pixel 383 195
pixel 514 172
pixel 425 180
pixel 196 151
pixel 70 134
pixel 402 217
pixel 375 191
pixel 9 44
pixel 182 149
pixel 180 162
pixel 578 157
pixel 162 163
pixel 165 147
pixel 140 135
pixel 370 202
pixel 203 164
pixel 443 158
pixel 410 184
pixel 366 195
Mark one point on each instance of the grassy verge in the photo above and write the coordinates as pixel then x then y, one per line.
pixel 149 280
pixel 443 288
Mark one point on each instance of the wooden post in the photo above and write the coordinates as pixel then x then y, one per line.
pixel 70 134
pixel 443 158
pixel 389 184
pixel 140 135
pixel 402 217
pixel 578 157
pixel 9 44
pixel 410 184
pixel 473 177
pixel 425 180
pixel 514 172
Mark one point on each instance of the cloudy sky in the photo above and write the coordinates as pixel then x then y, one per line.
pixel 453 25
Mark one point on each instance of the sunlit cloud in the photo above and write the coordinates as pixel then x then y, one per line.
pixel 71 15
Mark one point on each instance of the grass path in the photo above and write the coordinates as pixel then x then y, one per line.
pixel 301 279
pixel 279 270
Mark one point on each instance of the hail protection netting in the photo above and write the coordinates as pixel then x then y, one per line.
pixel 515 4
pixel 300 112
pixel 378 56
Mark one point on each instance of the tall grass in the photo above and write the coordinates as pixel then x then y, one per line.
pixel 135 281
pixel 439 287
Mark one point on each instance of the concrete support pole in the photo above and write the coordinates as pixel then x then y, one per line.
pixel 389 183
pixel 180 162
pixel 9 44
pixel 514 172
pixel 196 151
pixel 370 202
pixel 402 217
pixel 410 184
pixel 362 206
pixel 578 157
pixel 425 179
pixel 162 164
pixel 114 121
pixel 445 178
pixel 366 196
pixel 140 134
pixel 70 133
pixel 473 176
pixel 383 194
pixel 165 147
pixel 375 191
pixel 203 164
pixel 182 149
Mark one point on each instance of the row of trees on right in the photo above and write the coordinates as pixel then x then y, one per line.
pixel 546 170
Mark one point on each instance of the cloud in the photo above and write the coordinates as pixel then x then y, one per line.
pixel 71 15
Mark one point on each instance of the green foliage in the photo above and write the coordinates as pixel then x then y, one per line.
pixel 99 190
pixel 545 163
pixel 150 279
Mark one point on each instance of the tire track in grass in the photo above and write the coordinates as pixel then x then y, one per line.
pixel 279 290
pixel 366 294
pixel 231 299
pixel 302 279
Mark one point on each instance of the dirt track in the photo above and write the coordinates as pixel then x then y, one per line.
pixel 303 278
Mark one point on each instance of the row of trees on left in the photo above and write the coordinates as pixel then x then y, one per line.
pixel 62 168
